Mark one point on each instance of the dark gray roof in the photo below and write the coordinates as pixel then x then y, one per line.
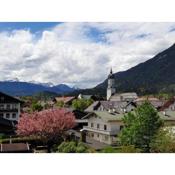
pixel 5 98
pixel 92 107
pixel 117 105
pixel 155 102
pixel 113 104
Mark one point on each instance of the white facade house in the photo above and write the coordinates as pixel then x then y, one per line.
pixel 9 107
pixel 104 127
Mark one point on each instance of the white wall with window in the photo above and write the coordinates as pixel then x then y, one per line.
pixel 103 131
pixel 10 111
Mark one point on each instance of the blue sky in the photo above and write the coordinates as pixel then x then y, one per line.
pixel 32 26
pixel 78 54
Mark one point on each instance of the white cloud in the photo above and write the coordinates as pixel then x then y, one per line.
pixel 80 54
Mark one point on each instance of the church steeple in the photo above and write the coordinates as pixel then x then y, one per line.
pixel 111 71
pixel 111 75
pixel 111 85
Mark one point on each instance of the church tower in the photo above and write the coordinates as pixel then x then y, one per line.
pixel 111 85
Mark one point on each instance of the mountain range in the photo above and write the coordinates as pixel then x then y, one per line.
pixel 18 88
pixel 156 75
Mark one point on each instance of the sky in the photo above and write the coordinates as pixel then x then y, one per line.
pixel 77 54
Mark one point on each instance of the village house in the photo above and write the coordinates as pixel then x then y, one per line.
pixel 103 126
pixel 10 107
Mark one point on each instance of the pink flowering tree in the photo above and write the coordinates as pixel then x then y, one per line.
pixel 48 124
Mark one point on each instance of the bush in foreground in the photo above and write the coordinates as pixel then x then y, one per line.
pixel 73 147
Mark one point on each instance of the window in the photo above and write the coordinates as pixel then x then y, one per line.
pixel 105 127
pixel 92 125
pixel 98 126
pixel 8 106
pixel 14 106
pixel 1 115
pixel 98 135
pixel 1 106
pixel 14 115
pixel 92 134
pixel 7 115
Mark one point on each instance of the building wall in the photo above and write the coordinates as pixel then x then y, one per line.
pixel 110 91
pixel 10 111
pixel 108 136
pixel 111 88
pixel 102 137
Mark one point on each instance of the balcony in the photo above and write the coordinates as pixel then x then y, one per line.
pixel 106 132
pixel 8 110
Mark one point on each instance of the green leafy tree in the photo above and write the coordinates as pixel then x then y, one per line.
pixel 60 104
pixel 163 142
pixel 81 104
pixel 37 107
pixel 140 127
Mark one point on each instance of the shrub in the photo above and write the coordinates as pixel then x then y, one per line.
pixel 163 142
pixel 73 147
